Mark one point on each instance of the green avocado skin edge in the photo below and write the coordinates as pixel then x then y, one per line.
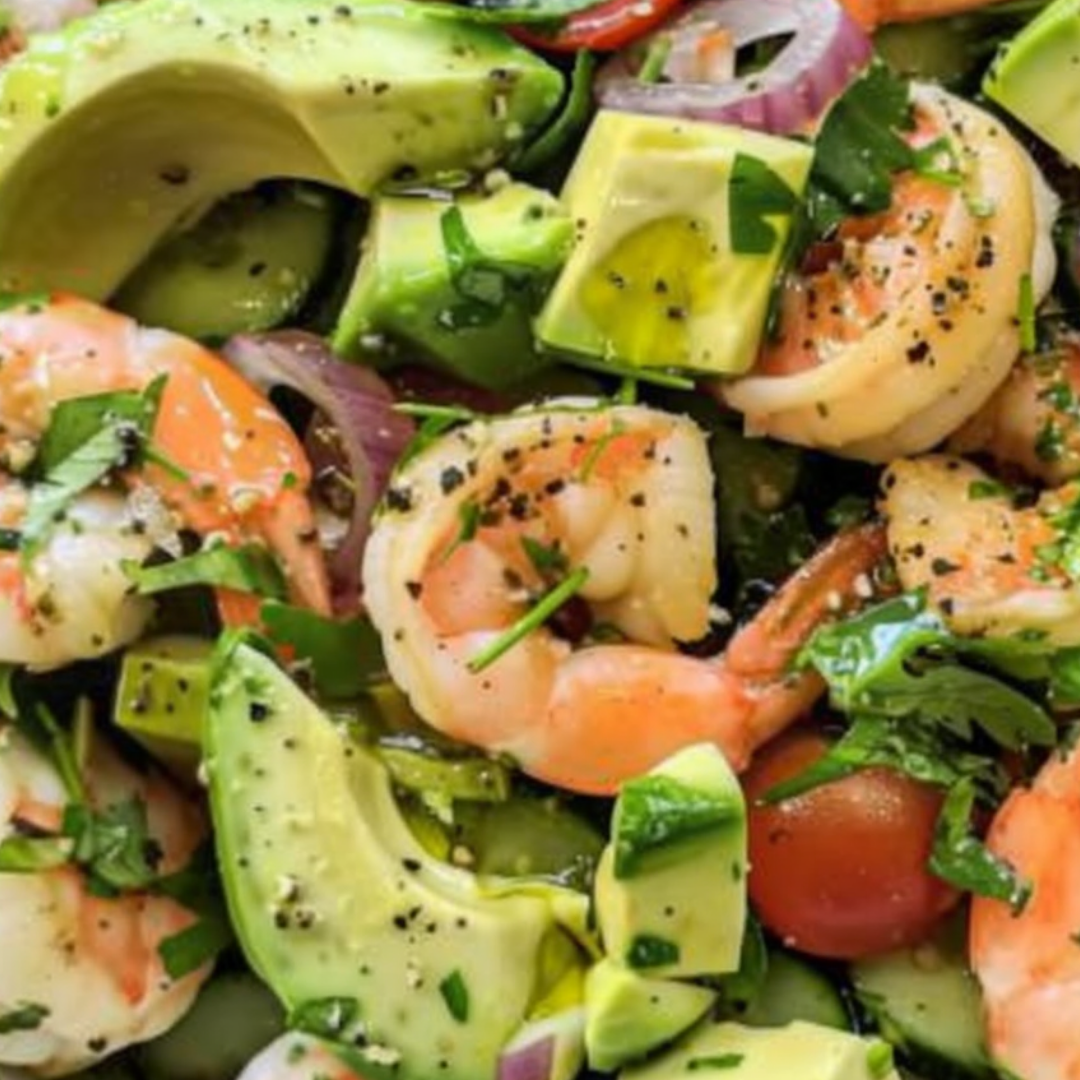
pixel 190 100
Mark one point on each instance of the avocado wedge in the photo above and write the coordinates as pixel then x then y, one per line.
pixel 368 940
pixel 128 125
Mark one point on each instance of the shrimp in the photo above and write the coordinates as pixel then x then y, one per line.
pixel 469 534
pixel 915 309
pixel 88 966
pixel 245 475
pixel 988 566
pixel 72 601
pixel 1033 420
pixel 871 14
pixel 1028 962
pixel 297 1057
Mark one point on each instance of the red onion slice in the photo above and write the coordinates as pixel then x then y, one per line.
pixel 359 406
pixel 827 50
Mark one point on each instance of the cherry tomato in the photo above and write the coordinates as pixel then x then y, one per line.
pixel 606 26
pixel 840 871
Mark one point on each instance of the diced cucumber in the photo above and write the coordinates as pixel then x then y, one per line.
pixel 795 990
pixel 247 265
pixel 233 1018
pixel 927 1003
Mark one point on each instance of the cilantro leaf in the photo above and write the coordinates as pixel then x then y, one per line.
pixel 484 285
pixel 922 751
pixel 962 859
pixel 249 568
pixel 114 844
pixel 87 438
pixel 24 1017
pixel 345 656
pixel 899 659
pixel 756 193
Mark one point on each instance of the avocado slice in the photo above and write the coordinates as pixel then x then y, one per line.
pixel 629 1015
pixel 354 926
pixel 464 302
pixel 671 887
pixel 806 1051
pixel 127 125
pixel 681 228
pixel 1034 77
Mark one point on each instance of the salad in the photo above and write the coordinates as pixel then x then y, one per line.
pixel 539 539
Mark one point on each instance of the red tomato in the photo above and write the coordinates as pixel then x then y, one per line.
pixel 607 26
pixel 841 870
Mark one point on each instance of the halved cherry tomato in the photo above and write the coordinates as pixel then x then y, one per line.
pixel 840 871
pixel 607 26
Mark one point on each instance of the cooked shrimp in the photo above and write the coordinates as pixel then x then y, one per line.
pixel 624 493
pixel 89 965
pixel 911 325
pixel 872 13
pixel 71 600
pixel 297 1057
pixel 1029 963
pixel 987 566
pixel 246 476
pixel 1033 420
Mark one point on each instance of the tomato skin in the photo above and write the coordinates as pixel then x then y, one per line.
pixel 606 26
pixel 840 871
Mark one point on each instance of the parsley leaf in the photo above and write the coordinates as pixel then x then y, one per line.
pixel 756 193
pixel 963 860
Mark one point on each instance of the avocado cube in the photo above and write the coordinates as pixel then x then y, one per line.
pixel 162 698
pixel 628 1015
pixel 1034 78
pixel 802 1050
pixel 670 889
pixel 456 284
pixel 123 128
pixel 681 228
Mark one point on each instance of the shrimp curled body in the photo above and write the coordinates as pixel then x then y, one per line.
pixel 239 472
pixel 89 964
pixel 915 309
pixel 1028 962
pixel 626 493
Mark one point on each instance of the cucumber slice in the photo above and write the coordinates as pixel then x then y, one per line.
pixel 927 1003
pixel 232 1019
pixel 248 265
pixel 795 990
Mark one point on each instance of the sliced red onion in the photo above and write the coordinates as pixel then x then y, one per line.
pixel 532 1061
pixel 827 50
pixel 549 1049
pixel 359 406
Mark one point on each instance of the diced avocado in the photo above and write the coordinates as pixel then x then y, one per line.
pixel 163 695
pixel 247 265
pixel 354 926
pixel 629 1015
pixel 799 1050
pixel 681 227
pixel 126 125
pixel 456 282
pixel 671 886
pixel 1034 77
